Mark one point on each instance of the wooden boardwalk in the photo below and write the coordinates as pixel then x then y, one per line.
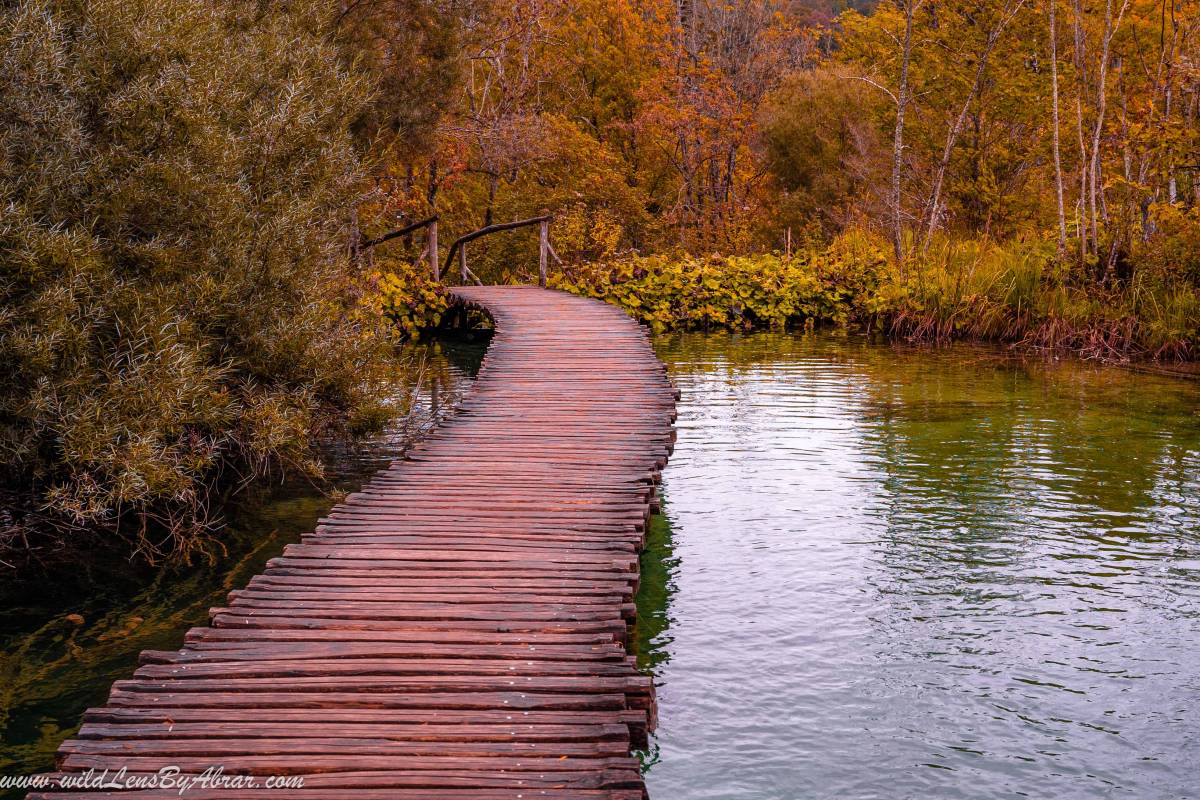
pixel 458 628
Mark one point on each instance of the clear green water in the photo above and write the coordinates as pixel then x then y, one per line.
pixel 63 642
pixel 909 574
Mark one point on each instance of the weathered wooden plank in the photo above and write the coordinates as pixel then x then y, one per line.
pixel 456 628
pixel 450 786
pixel 319 650
pixel 285 717
pixel 356 745
pixel 386 666
pixel 232 637
pixel 410 732
pixel 302 764
pixel 465 700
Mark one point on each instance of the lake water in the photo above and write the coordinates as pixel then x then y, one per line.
pixel 889 573
pixel 881 573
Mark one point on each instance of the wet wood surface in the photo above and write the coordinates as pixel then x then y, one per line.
pixel 456 629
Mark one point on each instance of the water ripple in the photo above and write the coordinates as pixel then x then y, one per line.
pixel 896 573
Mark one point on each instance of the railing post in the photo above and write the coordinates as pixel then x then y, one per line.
pixel 434 264
pixel 543 251
pixel 462 262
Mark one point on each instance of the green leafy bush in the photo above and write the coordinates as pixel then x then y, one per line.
pixel 177 308
pixel 959 288
pixel 765 291
pixel 409 298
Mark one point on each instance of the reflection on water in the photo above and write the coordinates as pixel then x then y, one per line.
pixel 63 644
pixel 943 574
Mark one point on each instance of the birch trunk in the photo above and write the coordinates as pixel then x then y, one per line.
pixel 1110 28
pixel 939 175
pixel 1058 172
pixel 1084 160
pixel 910 9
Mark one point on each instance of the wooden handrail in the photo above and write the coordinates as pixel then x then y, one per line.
pixel 484 231
pixel 431 247
pixel 387 237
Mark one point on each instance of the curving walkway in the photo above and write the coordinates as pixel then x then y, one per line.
pixel 458 628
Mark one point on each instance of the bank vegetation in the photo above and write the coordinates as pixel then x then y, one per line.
pixel 198 272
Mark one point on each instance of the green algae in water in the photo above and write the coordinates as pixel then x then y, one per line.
pixel 895 572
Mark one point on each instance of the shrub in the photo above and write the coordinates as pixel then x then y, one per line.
pixel 1014 292
pixel 765 291
pixel 176 304
pixel 409 298
pixel 822 143
pixel 1173 251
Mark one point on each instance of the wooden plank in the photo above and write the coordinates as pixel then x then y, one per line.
pixel 302 764
pixel 288 716
pixel 449 786
pixel 473 699
pixel 409 732
pixel 456 628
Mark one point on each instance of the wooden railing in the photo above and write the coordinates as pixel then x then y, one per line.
pixel 459 247
pixel 431 248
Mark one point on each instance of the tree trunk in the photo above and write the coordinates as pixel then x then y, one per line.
pixel 1080 62
pixel 1110 28
pixel 910 9
pixel 1058 172
pixel 1168 96
pixel 493 184
pixel 939 174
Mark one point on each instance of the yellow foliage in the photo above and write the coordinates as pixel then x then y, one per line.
pixel 959 289
pixel 409 298
pixel 829 286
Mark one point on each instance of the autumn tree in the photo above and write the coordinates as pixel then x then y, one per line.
pixel 825 146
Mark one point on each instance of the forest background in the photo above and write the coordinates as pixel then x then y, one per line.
pixel 192 288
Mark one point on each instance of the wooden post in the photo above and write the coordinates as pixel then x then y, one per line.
pixel 543 251
pixel 789 241
pixel 462 262
pixel 434 264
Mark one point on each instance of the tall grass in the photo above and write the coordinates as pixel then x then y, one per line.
pixel 1018 292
